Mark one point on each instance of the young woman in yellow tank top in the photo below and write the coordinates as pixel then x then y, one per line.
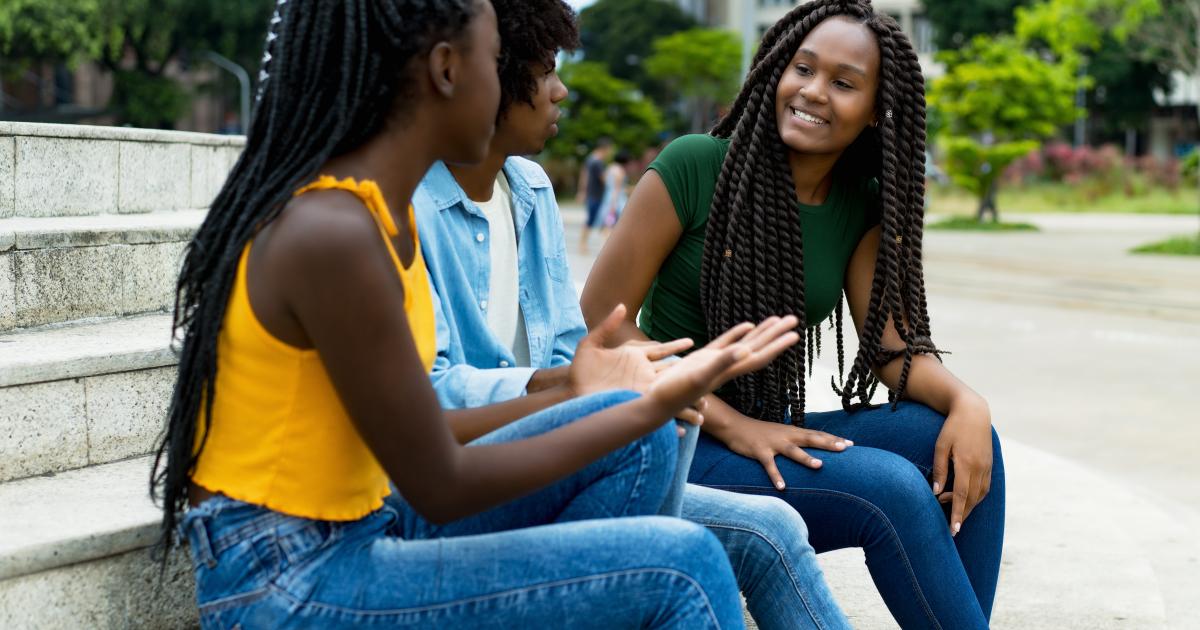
pixel 306 460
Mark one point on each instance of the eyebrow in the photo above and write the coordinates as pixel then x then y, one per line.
pixel 841 66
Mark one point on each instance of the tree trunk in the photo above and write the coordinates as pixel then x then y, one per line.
pixel 988 204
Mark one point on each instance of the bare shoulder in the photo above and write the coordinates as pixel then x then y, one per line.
pixel 321 223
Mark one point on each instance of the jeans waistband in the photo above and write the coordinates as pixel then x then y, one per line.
pixel 220 523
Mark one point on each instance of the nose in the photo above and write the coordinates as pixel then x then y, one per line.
pixel 558 90
pixel 813 92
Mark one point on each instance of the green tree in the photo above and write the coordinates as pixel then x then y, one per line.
pixel 1073 29
pixel 135 40
pixel 47 29
pixel 1173 38
pixel 601 105
pixel 621 33
pixel 956 23
pixel 998 101
pixel 702 65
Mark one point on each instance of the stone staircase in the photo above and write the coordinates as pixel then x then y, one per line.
pixel 93 222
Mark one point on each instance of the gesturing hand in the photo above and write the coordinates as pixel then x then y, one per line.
pixel 600 364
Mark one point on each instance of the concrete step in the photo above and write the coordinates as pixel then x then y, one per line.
pixel 74 553
pixel 74 170
pixel 82 394
pixel 60 269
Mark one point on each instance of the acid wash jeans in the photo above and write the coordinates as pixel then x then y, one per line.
pixel 580 553
pixel 765 539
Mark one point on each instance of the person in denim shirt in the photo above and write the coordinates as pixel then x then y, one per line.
pixel 480 361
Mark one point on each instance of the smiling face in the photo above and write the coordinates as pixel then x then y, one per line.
pixel 524 127
pixel 826 97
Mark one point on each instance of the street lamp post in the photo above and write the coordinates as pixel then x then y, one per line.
pixel 748 35
pixel 243 82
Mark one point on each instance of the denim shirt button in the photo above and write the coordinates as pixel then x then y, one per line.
pixel 504 364
pixel 483 305
pixel 479 237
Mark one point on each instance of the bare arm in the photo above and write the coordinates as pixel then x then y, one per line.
pixel 966 435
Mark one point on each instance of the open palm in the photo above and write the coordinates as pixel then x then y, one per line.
pixel 600 364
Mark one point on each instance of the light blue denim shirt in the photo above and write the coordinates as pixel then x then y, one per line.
pixel 454 240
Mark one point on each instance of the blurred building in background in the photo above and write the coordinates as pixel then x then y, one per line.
pixel 55 93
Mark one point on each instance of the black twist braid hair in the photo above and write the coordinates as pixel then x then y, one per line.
pixel 753 258
pixel 334 72
pixel 531 32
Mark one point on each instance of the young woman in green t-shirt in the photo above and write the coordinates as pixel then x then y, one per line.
pixel 812 188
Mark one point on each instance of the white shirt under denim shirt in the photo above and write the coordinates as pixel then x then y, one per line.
pixel 455 240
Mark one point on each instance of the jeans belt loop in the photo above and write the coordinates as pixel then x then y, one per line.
pixel 203 544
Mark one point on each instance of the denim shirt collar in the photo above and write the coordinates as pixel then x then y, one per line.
pixel 442 191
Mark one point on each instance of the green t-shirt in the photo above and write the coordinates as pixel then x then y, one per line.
pixel 689 167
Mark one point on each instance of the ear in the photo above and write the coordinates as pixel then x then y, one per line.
pixel 443 68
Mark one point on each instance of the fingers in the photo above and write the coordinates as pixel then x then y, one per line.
pixel 768 463
pixel 605 329
pixel 798 455
pixel 941 464
pixel 731 335
pixel 770 328
pixel 659 351
pixel 691 415
pixel 757 360
pixel 977 493
pixel 962 494
pixel 822 440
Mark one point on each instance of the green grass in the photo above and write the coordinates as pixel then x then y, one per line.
pixel 1175 246
pixel 971 224
pixel 1063 198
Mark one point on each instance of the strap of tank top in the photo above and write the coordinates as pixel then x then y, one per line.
pixel 368 191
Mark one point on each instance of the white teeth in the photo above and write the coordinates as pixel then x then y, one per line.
pixel 807 117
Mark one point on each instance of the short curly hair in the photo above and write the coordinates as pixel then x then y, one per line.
pixel 531 32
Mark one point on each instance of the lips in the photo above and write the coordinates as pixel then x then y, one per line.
pixel 807 117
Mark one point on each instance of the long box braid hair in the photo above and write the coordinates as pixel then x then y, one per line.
pixel 333 73
pixel 753 262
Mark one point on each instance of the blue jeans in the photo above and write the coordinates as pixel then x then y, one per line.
pixel 765 539
pixel 876 495
pixel 532 562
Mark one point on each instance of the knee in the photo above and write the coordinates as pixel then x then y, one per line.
pixel 773 531
pixel 775 521
pixel 893 484
pixel 684 546
pixel 997 458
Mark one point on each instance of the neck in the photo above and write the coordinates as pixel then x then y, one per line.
pixel 479 180
pixel 812 175
pixel 397 172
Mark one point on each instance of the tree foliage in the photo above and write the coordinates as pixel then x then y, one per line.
pixel 47 29
pixel 620 34
pixel 956 23
pixel 1072 28
pixel 702 65
pixel 601 105
pixel 998 101
pixel 136 40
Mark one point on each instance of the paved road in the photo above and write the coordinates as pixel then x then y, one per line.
pixel 1090 359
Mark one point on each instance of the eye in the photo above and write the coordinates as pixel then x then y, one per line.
pixel 803 69
pixel 843 85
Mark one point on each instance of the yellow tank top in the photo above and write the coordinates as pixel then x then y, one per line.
pixel 280 437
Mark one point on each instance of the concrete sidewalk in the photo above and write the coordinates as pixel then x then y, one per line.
pixel 1088 545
